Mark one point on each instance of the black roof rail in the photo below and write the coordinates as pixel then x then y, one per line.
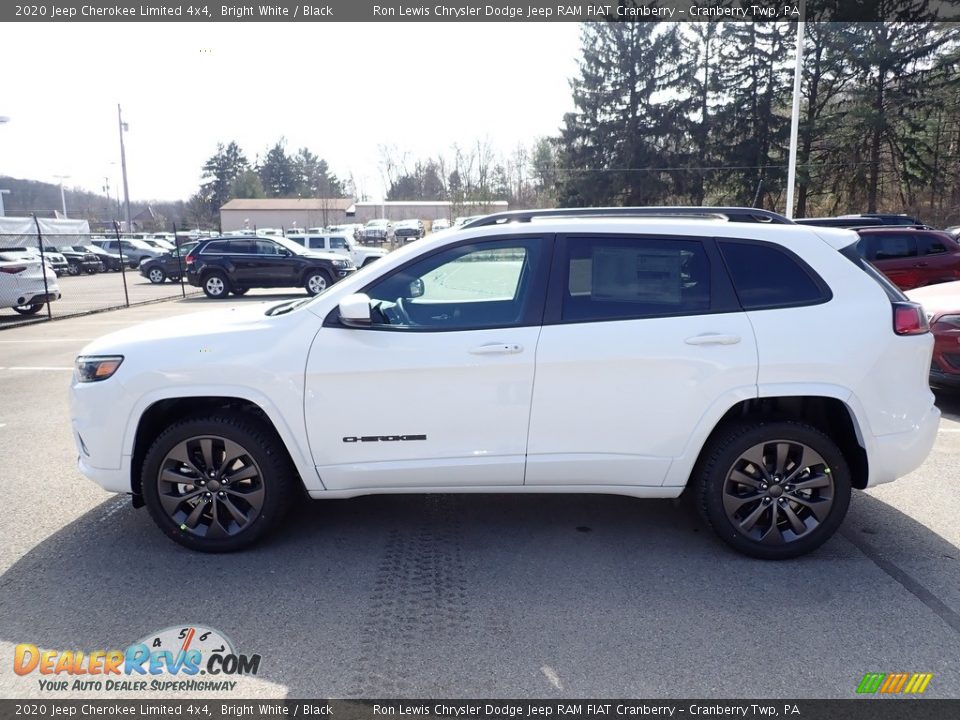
pixel 731 214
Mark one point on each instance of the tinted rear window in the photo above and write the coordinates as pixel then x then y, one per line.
pixel 766 276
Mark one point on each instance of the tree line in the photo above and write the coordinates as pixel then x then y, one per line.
pixel 697 113
pixel 229 174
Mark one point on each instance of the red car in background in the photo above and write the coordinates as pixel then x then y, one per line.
pixel 941 303
pixel 911 257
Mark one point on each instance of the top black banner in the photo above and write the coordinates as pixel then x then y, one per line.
pixel 490 11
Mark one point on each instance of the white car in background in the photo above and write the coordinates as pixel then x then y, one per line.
pixel 439 224
pixel 340 243
pixel 22 285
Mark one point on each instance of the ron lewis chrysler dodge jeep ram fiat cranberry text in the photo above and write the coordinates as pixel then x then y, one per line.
pixel 763 365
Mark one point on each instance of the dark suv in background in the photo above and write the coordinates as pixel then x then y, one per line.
pixel 236 264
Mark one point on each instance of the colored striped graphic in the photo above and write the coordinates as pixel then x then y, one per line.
pixel 894 683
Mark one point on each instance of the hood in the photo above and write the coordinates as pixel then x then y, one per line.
pixel 191 333
pixel 937 299
pixel 323 255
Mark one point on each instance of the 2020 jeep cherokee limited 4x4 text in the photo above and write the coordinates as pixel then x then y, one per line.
pixel 764 366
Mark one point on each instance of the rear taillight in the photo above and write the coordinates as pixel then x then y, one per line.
pixel 909 319
pixel 189 259
pixel 13 269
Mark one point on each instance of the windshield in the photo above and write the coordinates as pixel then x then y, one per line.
pixel 289 245
pixel 377 223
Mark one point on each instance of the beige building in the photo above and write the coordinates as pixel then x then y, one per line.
pixel 286 213
pixel 250 214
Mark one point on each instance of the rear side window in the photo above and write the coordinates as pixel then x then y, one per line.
pixel 620 278
pixel 933 244
pixel 766 276
pixel 216 247
pixel 891 246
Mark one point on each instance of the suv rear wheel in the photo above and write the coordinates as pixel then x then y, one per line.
pixel 773 490
pixel 217 483
pixel 156 275
pixel 215 285
pixel 317 281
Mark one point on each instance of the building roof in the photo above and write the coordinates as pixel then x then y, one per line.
pixel 288 204
pixel 431 203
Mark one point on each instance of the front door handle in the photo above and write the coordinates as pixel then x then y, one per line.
pixel 497 349
pixel 713 339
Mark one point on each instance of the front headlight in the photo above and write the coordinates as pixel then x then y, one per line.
pixel 92 368
pixel 342 263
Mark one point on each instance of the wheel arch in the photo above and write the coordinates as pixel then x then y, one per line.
pixel 159 413
pixel 827 410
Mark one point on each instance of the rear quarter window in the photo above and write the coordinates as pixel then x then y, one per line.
pixel 767 276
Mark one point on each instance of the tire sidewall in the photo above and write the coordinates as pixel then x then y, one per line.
pixel 713 473
pixel 258 442
pixel 317 273
pixel 160 275
pixel 223 279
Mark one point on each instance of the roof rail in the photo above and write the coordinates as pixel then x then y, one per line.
pixel 730 214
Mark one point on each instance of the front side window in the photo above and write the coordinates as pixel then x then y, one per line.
pixel 766 276
pixel 337 243
pixel 891 246
pixel 265 247
pixel 483 285
pixel 622 278
pixel 932 244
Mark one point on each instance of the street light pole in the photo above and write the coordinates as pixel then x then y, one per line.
pixel 2 193
pixel 123 165
pixel 63 198
pixel 795 113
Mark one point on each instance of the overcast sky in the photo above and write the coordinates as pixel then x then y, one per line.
pixel 340 89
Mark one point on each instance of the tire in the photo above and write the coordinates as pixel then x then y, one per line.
pixel 240 291
pixel 197 513
pixel 156 275
pixel 316 281
pixel 739 499
pixel 29 309
pixel 215 285
pixel 73 269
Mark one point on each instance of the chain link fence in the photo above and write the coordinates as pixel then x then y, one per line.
pixel 87 273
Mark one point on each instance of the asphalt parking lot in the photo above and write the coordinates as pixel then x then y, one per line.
pixel 469 596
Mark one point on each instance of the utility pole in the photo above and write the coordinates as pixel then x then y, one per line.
pixel 795 112
pixel 63 198
pixel 2 193
pixel 123 165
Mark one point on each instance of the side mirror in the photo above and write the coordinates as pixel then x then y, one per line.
pixel 355 310
pixel 416 288
pixel 285 253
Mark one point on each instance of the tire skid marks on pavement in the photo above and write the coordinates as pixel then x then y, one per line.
pixel 418 602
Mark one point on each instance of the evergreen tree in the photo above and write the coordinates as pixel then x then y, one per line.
pixel 612 147
pixel 278 173
pixel 219 173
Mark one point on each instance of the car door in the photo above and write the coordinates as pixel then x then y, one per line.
pixel 938 258
pixel 276 265
pixel 641 336
pixel 895 255
pixel 436 391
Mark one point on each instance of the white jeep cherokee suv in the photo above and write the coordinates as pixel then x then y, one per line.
pixel 764 366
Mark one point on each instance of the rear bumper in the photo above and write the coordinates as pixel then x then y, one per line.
pixel 901 453
pixel 34 298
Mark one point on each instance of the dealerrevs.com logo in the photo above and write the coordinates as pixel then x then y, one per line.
pixel 173 659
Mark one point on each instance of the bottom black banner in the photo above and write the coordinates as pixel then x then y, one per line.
pixel 859 709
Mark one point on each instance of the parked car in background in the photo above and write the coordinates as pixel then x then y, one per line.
pixel 161 244
pixel 340 243
pixel 55 259
pixel 840 222
pixel 407 230
pixel 463 220
pixel 451 366
pixel 886 219
pixel 133 251
pixel 941 303
pixel 25 284
pixel 439 224
pixel 377 231
pixel 224 265
pixel 911 257
pixel 955 231
pixel 108 260
pixel 80 261
pixel 355 230
pixel 169 266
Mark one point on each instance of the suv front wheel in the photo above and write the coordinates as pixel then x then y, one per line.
pixel 317 281
pixel 216 484
pixel 773 490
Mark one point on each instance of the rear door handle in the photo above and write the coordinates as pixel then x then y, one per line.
pixel 712 339
pixel 497 349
